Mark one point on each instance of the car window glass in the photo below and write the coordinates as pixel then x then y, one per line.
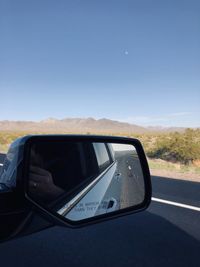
pixel 102 155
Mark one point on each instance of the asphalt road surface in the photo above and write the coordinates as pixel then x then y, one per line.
pixel 164 235
pixel 127 186
pixel 120 187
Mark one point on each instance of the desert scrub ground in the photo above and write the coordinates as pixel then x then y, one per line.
pixel 159 167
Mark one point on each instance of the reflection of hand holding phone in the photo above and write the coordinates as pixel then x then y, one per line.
pixel 41 184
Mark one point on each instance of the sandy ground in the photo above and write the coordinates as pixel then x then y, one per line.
pixel 176 175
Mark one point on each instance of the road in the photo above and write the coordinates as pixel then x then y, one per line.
pixel 127 186
pixel 120 187
pixel 164 235
pixel 132 191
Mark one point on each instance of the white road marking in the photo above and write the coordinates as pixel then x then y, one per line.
pixel 175 204
pixel 1 164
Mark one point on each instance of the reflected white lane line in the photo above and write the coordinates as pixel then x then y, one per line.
pixel 175 204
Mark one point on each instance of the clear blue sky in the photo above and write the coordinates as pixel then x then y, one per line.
pixel 135 61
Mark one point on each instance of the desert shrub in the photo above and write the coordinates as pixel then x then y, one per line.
pixel 177 147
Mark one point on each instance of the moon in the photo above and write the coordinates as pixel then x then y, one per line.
pixel 126 52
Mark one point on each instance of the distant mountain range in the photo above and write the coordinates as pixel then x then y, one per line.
pixel 80 125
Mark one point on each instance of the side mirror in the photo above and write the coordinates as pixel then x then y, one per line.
pixel 83 179
pixel 79 180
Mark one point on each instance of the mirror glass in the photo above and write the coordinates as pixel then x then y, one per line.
pixel 81 180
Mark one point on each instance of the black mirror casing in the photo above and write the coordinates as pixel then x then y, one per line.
pixel 87 138
pixel 31 206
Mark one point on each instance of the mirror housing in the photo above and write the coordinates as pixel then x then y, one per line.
pixel 18 179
